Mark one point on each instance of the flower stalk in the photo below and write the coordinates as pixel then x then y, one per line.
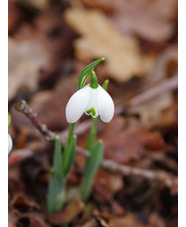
pixel 96 155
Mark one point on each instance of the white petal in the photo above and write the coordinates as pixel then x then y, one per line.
pixel 10 144
pixel 93 102
pixel 105 105
pixel 77 104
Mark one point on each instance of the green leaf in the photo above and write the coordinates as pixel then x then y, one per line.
pixel 9 119
pixel 64 225
pixel 57 162
pixel 56 188
pixel 86 72
pixel 105 85
pixel 72 154
pixel 68 145
pixel 92 165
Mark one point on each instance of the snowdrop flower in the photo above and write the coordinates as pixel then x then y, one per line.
pixel 91 99
pixel 10 144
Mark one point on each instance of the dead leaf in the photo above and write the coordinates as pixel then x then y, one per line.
pixel 101 39
pixel 20 201
pixel 50 105
pixel 156 221
pixel 31 219
pixel 151 111
pixel 19 155
pixel 129 220
pixel 26 58
pixel 11 220
pixel 157 81
pixel 91 223
pixel 129 144
pixel 15 15
pixel 106 185
pixel 166 60
pixel 15 181
pixel 105 6
pixel 169 118
pixel 152 20
pixel 68 213
pixel 39 5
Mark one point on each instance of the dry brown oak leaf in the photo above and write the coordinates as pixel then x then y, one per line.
pixel 151 20
pixel 123 145
pixel 25 60
pixel 99 38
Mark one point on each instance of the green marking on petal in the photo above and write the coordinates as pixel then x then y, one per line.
pixel 91 111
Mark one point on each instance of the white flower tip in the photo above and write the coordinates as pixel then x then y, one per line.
pixel 70 119
pixel 10 144
pixel 107 116
pixel 77 104
pixel 106 106
pixel 71 115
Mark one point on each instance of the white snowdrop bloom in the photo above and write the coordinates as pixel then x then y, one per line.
pixel 92 101
pixel 10 144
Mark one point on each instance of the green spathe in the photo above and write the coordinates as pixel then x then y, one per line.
pixel 86 72
pixel 94 80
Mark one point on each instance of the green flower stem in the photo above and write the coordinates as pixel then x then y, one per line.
pixel 96 155
pixel 66 154
pixel 92 134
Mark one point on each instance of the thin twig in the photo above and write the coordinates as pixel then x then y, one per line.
pixel 24 108
pixel 162 176
pixel 165 86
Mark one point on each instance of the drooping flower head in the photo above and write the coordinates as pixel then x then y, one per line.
pixel 92 100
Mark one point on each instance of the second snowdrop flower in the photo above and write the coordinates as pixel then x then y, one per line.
pixel 10 144
pixel 91 99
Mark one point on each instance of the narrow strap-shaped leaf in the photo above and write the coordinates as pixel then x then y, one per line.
pixel 56 193
pixel 72 154
pixel 86 72
pixel 105 85
pixel 68 146
pixel 92 165
pixel 56 187
pixel 57 162
pixel 9 119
